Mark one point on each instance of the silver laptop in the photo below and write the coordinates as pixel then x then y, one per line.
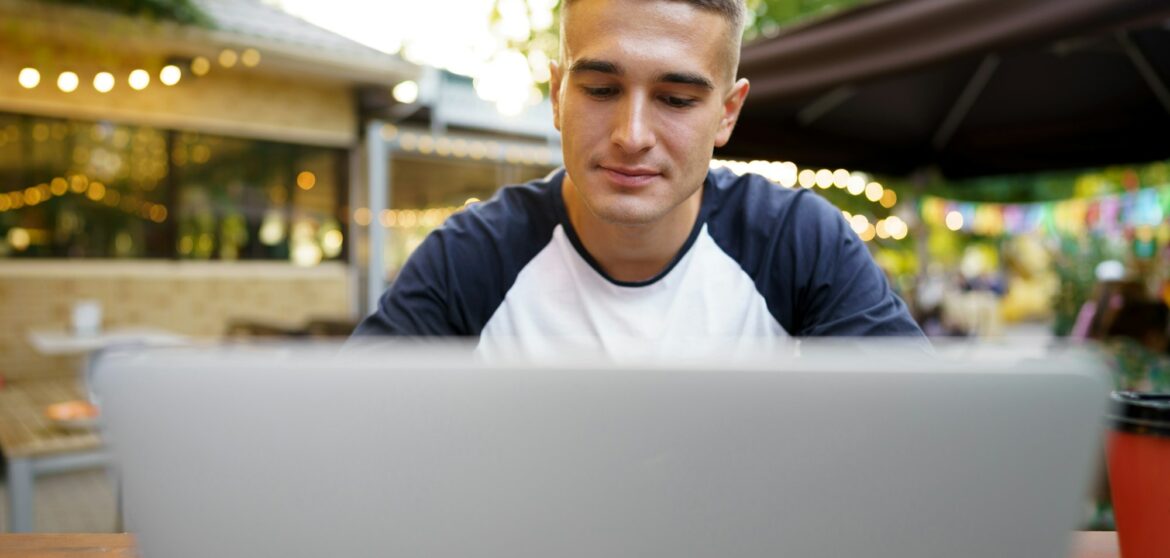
pixel 426 452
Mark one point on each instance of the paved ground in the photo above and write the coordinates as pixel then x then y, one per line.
pixel 77 502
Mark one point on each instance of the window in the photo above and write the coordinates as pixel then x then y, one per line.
pixel 74 189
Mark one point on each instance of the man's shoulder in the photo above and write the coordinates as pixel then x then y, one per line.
pixel 752 204
pixel 514 206
pixel 453 282
pixel 516 214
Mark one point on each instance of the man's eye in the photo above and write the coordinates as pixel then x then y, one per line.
pixel 678 102
pixel 600 92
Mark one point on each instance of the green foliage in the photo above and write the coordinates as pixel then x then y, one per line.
pixel 1137 368
pixel 180 11
pixel 1075 264
pixel 769 17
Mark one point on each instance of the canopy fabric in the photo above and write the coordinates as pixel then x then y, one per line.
pixel 972 87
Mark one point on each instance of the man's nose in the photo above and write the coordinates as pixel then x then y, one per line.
pixel 633 131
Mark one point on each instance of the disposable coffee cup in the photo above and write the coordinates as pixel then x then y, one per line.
pixel 1138 451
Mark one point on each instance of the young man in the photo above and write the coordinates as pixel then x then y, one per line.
pixel 635 247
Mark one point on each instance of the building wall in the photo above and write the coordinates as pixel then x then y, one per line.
pixel 196 299
pixel 240 101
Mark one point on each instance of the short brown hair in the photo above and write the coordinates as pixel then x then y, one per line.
pixel 731 10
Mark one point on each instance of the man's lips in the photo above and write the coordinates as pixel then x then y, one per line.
pixel 630 177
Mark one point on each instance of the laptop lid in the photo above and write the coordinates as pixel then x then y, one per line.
pixel 281 451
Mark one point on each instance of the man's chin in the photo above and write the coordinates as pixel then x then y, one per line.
pixel 627 214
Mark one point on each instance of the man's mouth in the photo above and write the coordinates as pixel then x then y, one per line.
pixel 630 177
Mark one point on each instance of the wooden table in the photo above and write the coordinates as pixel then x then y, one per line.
pixel 34 445
pixel 58 342
pixel 1088 545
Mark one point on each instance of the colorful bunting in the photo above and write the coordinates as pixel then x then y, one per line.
pixel 1109 214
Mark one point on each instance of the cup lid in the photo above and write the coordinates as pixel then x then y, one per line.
pixel 1141 413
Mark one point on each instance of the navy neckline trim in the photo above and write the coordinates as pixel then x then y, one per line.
pixel 563 216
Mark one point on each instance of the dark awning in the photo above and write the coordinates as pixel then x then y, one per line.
pixel 974 87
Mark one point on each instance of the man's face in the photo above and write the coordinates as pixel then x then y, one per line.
pixel 642 97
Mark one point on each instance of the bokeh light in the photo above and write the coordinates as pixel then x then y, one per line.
pixel 68 82
pixel 139 79
pixel 170 74
pixel 406 92
pixel 103 82
pixel 29 78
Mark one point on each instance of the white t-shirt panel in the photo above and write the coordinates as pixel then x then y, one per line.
pixel 705 305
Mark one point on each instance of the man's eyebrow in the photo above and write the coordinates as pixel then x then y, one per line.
pixel 593 65
pixel 605 67
pixel 687 79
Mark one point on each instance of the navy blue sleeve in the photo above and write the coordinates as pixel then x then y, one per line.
pixel 419 302
pixel 456 279
pixel 840 290
pixel 815 274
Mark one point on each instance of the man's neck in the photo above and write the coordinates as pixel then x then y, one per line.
pixel 631 253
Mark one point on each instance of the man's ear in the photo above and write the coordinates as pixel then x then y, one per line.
pixel 732 104
pixel 554 92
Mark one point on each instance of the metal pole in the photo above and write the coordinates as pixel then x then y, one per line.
pixel 356 195
pixel 20 494
pixel 378 176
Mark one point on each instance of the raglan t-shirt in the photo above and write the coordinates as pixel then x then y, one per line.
pixel 762 264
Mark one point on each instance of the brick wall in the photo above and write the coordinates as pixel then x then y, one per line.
pixel 197 299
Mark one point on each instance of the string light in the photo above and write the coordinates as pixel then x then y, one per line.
pixel 459 148
pixel 96 191
pixel 68 82
pixel 856 185
pixel 361 216
pixel 331 241
pixel 954 220
pixel 228 58
pixel 170 75
pixel 103 82
pixel 426 144
pixel 32 196
pixel 896 227
pixel 139 80
pixel 807 178
pixel 250 57
pixel 405 92
pixel 80 185
pixel 29 78
pixel 19 238
pixel 306 180
pixel 869 233
pixel 858 223
pixel 408 141
pixel 824 178
pixel 841 178
pixel 200 65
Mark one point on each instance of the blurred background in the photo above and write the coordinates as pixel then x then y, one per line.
pixel 246 168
